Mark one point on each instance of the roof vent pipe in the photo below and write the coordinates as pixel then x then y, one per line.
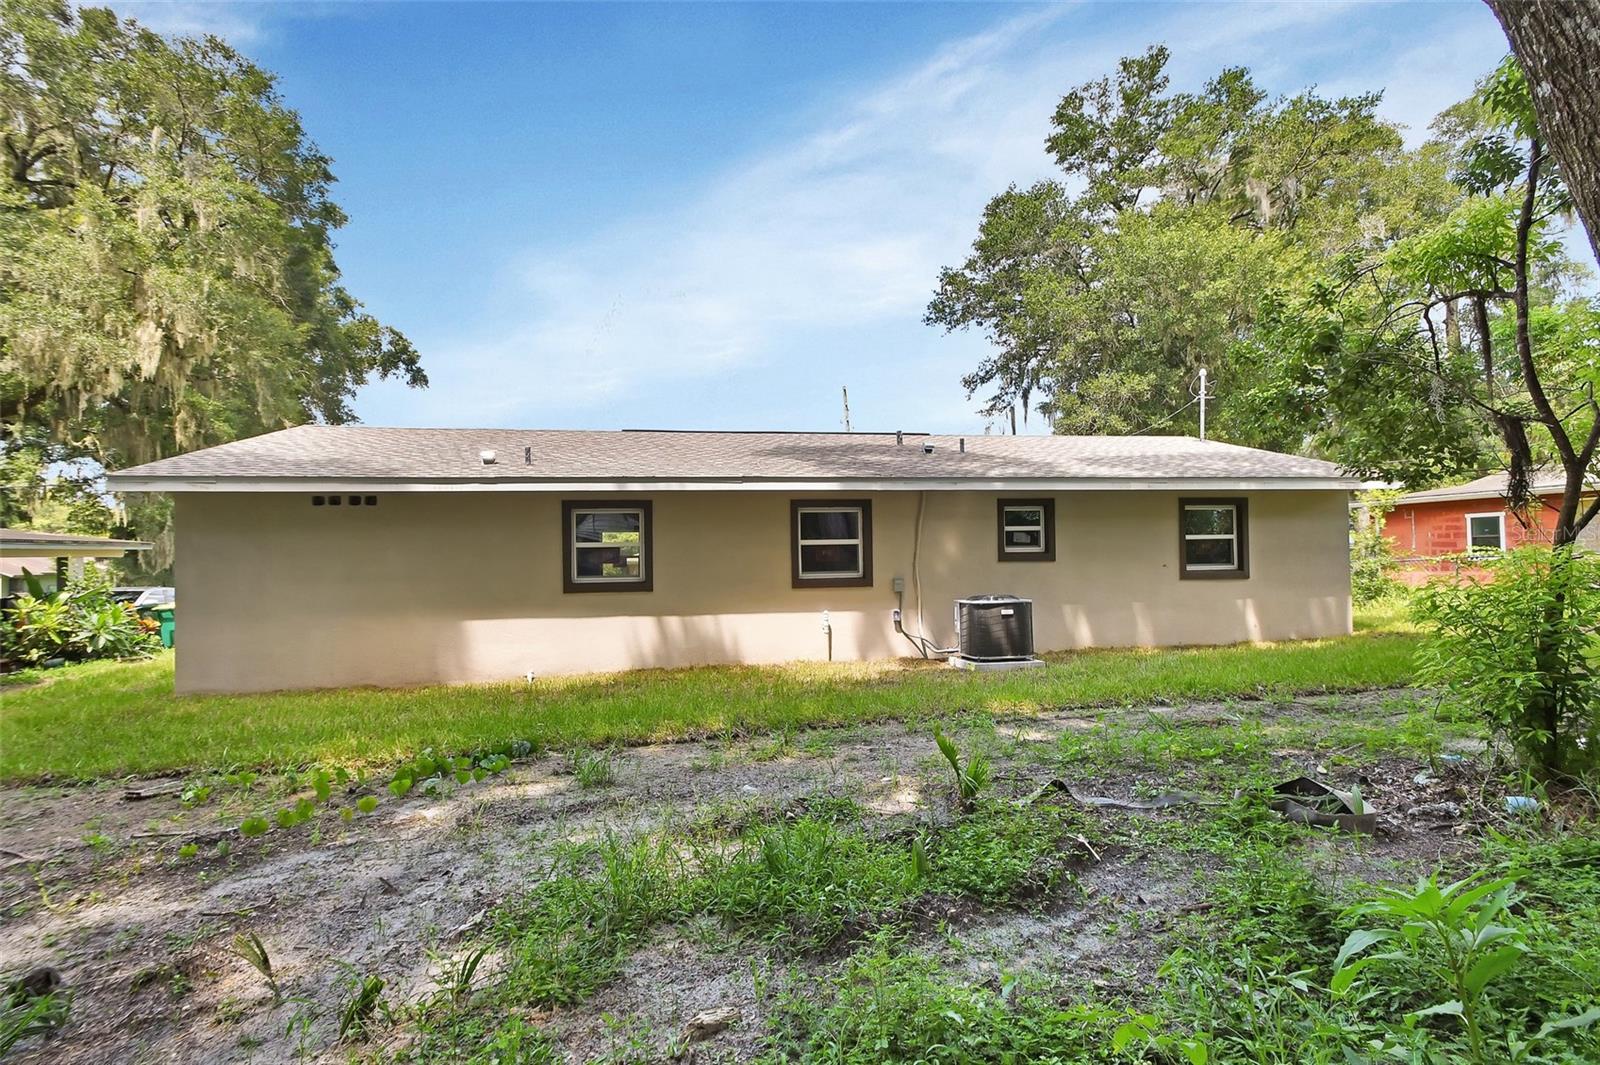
pixel 486 456
pixel 527 456
pixel 963 445
pixel 899 437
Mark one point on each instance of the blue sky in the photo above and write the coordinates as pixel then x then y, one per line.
pixel 715 216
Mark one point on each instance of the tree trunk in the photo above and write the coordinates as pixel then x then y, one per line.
pixel 1558 44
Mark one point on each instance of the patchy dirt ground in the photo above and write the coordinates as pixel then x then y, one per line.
pixel 95 885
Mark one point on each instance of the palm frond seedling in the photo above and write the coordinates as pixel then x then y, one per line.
pixel 463 973
pixel 355 1018
pixel 971 778
pixel 252 950
pixel 31 1005
pixel 920 868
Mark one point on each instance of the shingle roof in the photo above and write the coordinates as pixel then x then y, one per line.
pixel 360 453
pixel 1491 486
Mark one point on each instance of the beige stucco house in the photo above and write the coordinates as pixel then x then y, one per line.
pixel 298 551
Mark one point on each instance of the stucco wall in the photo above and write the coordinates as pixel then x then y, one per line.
pixel 276 593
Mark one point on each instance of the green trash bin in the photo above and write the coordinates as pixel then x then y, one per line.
pixel 169 627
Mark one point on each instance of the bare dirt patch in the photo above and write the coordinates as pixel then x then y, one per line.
pixel 94 883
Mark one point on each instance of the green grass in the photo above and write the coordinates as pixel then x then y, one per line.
pixel 114 718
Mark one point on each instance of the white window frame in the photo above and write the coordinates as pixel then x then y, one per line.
pixel 582 545
pixel 802 543
pixel 1039 527
pixel 1202 567
pixel 1500 520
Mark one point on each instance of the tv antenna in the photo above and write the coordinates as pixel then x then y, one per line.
pixel 846 393
pixel 1200 390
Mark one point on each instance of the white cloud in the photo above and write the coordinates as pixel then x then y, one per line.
pixel 238 24
pixel 800 252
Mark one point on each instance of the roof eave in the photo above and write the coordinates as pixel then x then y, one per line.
pixel 47 549
pixel 170 484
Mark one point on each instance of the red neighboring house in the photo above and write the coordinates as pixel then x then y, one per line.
pixel 1431 530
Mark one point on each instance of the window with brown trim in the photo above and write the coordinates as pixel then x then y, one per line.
pixel 1027 530
pixel 1213 539
pixel 830 543
pixel 606 546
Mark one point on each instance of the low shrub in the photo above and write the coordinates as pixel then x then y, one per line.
pixel 78 623
pixel 1523 650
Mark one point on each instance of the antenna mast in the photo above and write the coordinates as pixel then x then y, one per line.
pixel 1202 393
pixel 846 393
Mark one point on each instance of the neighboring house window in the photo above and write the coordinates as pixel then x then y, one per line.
pixel 1486 533
pixel 607 546
pixel 1213 538
pixel 831 543
pixel 1027 530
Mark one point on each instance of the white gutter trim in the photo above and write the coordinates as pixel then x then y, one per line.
pixel 124 483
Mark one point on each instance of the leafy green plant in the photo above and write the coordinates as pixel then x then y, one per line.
pixel 1523 650
pixel 802 882
pixel 1145 1030
pixel 81 621
pixel 921 868
pixel 1454 933
pixel 972 777
pixel 249 947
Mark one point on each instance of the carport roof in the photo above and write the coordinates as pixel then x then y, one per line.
pixel 27 542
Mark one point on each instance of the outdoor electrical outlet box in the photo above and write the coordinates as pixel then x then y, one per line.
pixel 898 584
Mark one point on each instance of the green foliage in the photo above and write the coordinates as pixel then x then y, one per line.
pixel 593 769
pixel 1372 561
pixel 1250 981
pixel 804 882
pixel 1105 290
pixel 23 1016
pixel 1001 850
pixel 566 938
pixel 1450 346
pixel 166 249
pixel 1523 650
pixel 81 622
pixel 102 719
pixel 889 1006
pixel 1455 935
pixel 970 778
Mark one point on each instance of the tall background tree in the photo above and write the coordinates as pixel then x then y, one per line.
pixel 167 278
pixel 1352 298
pixel 1558 44
pixel 1476 307
pixel 1105 290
